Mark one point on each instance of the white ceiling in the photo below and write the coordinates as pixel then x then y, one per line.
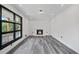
pixel 48 13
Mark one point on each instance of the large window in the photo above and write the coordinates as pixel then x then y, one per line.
pixel 10 27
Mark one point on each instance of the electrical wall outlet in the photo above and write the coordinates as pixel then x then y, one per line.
pixel 25 35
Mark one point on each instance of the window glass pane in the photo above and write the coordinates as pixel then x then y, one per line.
pixel 18 27
pixel 6 27
pixel 6 15
pixel 7 38
pixel 17 19
pixel 17 34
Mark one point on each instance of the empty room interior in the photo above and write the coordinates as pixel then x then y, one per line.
pixel 39 28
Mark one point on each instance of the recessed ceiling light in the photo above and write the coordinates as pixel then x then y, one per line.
pixel 41 11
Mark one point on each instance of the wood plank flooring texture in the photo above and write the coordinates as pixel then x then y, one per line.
pixel 43 45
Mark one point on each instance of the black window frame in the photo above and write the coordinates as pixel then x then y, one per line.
pixel 14 31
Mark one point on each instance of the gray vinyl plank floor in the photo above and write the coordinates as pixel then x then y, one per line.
pixel 43 45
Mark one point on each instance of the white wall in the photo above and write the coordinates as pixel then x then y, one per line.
pixel 25 29
pixel 66 25
pixel 39 24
